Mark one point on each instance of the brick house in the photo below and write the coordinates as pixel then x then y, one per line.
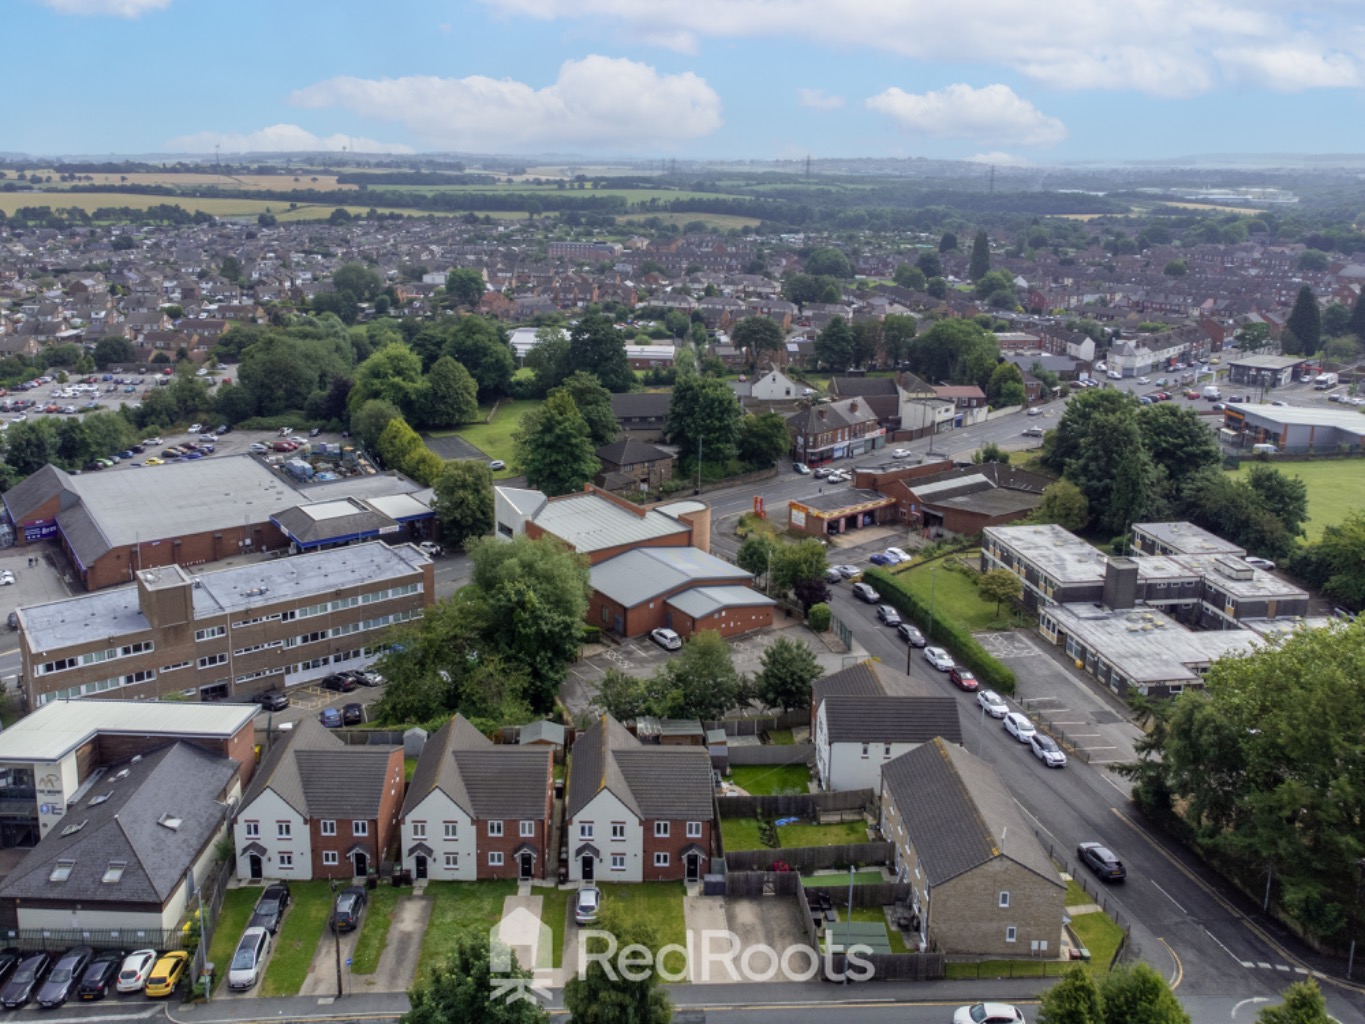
pixel 982 882
pixel 834 430
pixel 856 734
pixel 636 812
pixel 477 810
pixel 318 808
pixel 628 463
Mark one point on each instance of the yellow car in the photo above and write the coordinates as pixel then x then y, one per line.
pixel 154 461
pixel 166 974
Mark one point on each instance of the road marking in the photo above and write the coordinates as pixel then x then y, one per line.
pixel 1253 1000
pixel 1225 949
pixel 1085 746
pixel 1263 964
pixel 1282 967
pixel 10 651
pixel 1107 779
pixel 1179 975
pixel 142 1015
pixel 1171 898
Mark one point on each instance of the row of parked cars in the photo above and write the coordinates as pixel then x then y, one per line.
pixel 83 973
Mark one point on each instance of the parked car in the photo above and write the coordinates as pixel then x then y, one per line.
pixel 272 700
pixel 101 974
pixel 137 965
pixel 939 658
pixel 1018 726
pixel 882 558
pixel 364 677
pixel 666 638
pixel 497 464
pixel 9 960
pixel 167 973
pixel 900 554
pixel 1034 432
pixel 849 572
pixel 270 907
pixel 864 592
pixel 888 615
pixel 353 714
pixel 801 468
pixel 901 453
pixel 339 682
pixel 26 977
pixel 258 448
pixel 1035 411
pixel 911 635
pixel 992 703
pixel 587 903
pixel 833 576
pixel 248 961
pixel 988 1013
pixel 65 976
pixel 350 905
pixel 196 427
pixel 330 718
pixel 821 473
pixel 1257 562
pixel 431 549
pixel 1045 749
pixel 315 432
pixel 962 679
pixel 1101 860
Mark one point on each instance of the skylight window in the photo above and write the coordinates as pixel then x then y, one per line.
pixel 71 830
pixel 62 871
pixel 95 801
pixel 170 821
pixel 114 872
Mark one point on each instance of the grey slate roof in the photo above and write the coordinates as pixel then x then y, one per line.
pixel 958 815
pixel 319 776
pixel 856 680
pixel 589 522
pixel 862 719
pixel 654 782
pixel 488 781
pixel 641 405
pixel 179 779
pixel 29 493
pixel 636 576
pixel 631 452
pixel 304 528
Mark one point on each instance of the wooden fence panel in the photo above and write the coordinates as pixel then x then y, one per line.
pixel 794 805
pixel 811 858
pixel 796 753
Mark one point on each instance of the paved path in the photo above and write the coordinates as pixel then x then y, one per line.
pixel 522 931
pixel 702 914
pixel 398 962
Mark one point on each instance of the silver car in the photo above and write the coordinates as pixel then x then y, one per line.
pixel 992 703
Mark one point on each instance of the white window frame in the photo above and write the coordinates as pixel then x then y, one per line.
pixel 694 830
pixel 360 828
pixel 452 860
pixel 284 830
pixel 662 829
pixel 661 859
pixel 618 830
pixel 419 830
pixel 1004 901
pixel 287 861
pixel 327 827
pixel 618 862
pixel 495 858
pixel 585 830
pixel 330 858
pixel 495 828
pixel 253 829
pixel 527 829
pixel 450 830
pixel 1012 934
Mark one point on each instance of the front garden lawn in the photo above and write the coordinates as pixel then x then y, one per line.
pixel 657 906
pixel 232 918
pixel 495 439
pixel 374 929
pixel 297 941
pixel 458 908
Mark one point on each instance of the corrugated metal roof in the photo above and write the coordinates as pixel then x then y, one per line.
pixel 702 601
pixel 588 522
pixel 644 573
pixel 57 728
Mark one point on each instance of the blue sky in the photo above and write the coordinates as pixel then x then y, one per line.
pixel 1005 80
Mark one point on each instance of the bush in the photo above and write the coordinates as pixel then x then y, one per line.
pixel 959 642
pixel 818 617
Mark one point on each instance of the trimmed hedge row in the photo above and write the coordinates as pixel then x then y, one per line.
pixel 963 646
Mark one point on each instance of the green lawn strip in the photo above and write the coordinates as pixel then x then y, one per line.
pixel 1336 488
pixel 227 931
pixel 952 594
pixel 740 834
pixel 655 905
pixel 1075 895
pixel 298 938
pixel 374 929
pixel 840 878
pixel 771 779
pixel 409 766
pixel 877 915
pixel 495 439
pixel 781 738
pixel 554 911
pixel 801 834
pixel 458 908
pixel 1099 933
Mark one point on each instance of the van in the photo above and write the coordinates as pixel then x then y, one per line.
pixel 1323 381
pixel 249 959
pixel 1212 393
pixel 1265 449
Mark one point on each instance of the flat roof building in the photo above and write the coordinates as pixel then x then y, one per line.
pixel 1180 539
pixel 1295 429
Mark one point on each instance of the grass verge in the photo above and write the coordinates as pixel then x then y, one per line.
pixel 554 911
pixel 232 918
pixel 298 938
pixel 495 439
pixel 458 908
pixel 1075 895
pixel 1099 933
pixel 836 834
pixel 657 906
pixel 374 930
pixel 1336 488
pixel 770 780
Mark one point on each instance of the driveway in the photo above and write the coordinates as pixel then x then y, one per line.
pixel 398 962
pixel 322 973
pixel 770 921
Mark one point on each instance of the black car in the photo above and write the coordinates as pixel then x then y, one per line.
pixel 350 905
pixel 9 959
pixel 98 979
pixel 341 682
pixel 66 975
pixel 1102 861
pixel 27 976
pixel 270 908
pixel 353 714
pixel 272 700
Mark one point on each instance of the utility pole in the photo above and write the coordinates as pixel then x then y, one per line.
pixel 336 935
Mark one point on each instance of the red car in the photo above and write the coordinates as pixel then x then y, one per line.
pixel 1192 395
pixel 963 679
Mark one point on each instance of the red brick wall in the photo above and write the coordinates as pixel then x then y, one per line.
pixel 731 622
pixel 47 510
pixel 117 565
pixel 673 846
pixel 381 832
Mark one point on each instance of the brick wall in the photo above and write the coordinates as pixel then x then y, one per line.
pixel 673 845
pixel 966 916
pixel 727 622
pixel 117 565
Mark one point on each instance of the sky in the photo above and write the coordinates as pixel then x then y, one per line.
pixel 1001 81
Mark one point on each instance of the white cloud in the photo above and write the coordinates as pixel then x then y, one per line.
pixel 117 8
pixel 280 138
pixel 1165 47
pixel 596 101
pixel 817 99
pixel 993 113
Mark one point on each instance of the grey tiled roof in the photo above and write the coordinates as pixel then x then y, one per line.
pixel 488 781
pixel 654 782
pixel 320 776
pixel 860 719
pixel 631 452
pixel 29 493
pixel 957 813
pixel 179 779
pixel 860 679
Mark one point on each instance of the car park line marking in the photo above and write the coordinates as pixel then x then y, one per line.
pixel 1173 900
pixel 1262 963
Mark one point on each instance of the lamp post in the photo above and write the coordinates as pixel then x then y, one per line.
pixel 336 935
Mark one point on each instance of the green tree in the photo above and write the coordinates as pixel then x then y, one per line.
pixel 358 281
pixel 1285 497
pixel 462 987
pixel 795 563
pixel 947 243
pixel 594 403
pixel 929 264
pixel 450 397
pixel 465 287
pixel 230 269
pixel 703 412
pixel 1356 325
pixel 981 256
pixel 1177 440
pixel 760 335
pixel 368 422
pixel 908 276
pixel 1303 1004
pixel 955 351
pixel 1006 386
pixel 1073 1000
pixel 756 554
pixel 30 445
pixel 990 452
pixel 549 359
pixel 1228 506
pixel 996 288
pixel 393 374
pixel 1302 334
pixel 479 344
pixel 1138 995
pixel 113 352
pixel 937 287
pixel 834 345
pixel 898 330
pixel 464 501
pixel 784 680
pixel 1335 564
pixel 596 347
pixel 1063 504
pixel 762 440
pixel 999 585
pixel 1336 320
pixel 1176 268
pixel 399 445
pixel 1114 471
pixel 1077 423
pixel 597 996
pixel 867 341
pixel 1314 260
pixel 1254 337
pixel 701 679
pixel 829 263
pixel 553 448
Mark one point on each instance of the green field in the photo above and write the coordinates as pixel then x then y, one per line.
pixel 1336 488
pixel 495 439
pixel 952 594
pixel 457 908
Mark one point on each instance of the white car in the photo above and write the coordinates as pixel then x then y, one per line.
pixel 1259 563
pixel 899 554
pixel 1114 375
pixel 939 658
pixel 151 441
pixel 1045 749
pixel 837 476
pixel 1144 380
pixel 992 703
pixel 988 1013
pixel 6 578
pixel 901 453
pixel 258 448
pixel 136 966
pixel 1018 726
pixel 1035 411
pixel 196 427
pixel 431 548
pixel 666 638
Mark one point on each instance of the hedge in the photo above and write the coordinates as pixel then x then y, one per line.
pixel 962 645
